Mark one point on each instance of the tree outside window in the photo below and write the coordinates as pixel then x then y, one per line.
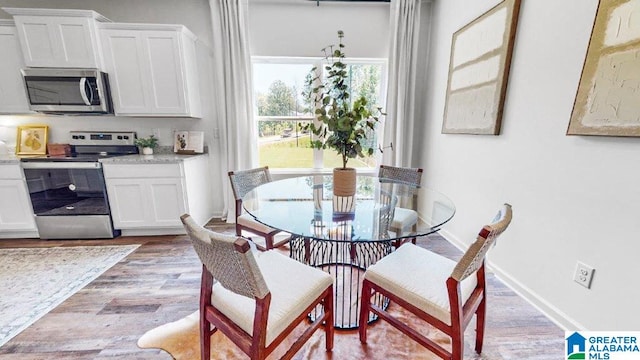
pixel 281 110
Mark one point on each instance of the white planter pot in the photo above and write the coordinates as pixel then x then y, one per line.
pixel 147 151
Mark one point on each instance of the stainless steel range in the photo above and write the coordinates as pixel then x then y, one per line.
pixel 68 193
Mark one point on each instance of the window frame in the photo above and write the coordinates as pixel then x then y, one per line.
pixel 319 62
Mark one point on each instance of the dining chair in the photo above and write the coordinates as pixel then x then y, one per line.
pixel 257 298
pixel 404 218
pixel 439 291
pixel 242 182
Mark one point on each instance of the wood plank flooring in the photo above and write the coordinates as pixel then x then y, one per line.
pixel 159 283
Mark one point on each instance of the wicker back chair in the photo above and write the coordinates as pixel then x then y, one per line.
pixel 407 175
pixel 242 182
pixel 406 215
pixel 251 297
pixel 439 291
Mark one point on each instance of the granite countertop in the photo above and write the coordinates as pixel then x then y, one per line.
pixel 162 155
pixel 150 159
pixel 9 159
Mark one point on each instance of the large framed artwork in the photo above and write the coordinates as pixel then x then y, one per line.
pixel 478 71
pixel 608 98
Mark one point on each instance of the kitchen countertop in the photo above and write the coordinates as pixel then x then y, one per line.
pixel 9 159
pixel 150 159
pixel 157 158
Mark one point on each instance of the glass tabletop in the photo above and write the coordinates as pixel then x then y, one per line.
pixel 305 206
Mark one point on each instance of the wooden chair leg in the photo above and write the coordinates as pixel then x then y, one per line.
pixel 480 324
pixel 328 323
pixel 414 229
pixel 365 298
pixel 268 241
pixel 457 344
pixel 205 337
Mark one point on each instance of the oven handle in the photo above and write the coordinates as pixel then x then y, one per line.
pixel 61 165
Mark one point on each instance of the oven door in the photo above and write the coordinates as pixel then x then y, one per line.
pixel 69 199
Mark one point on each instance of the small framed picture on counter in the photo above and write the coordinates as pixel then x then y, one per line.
pixel 32 140
pixel 188 142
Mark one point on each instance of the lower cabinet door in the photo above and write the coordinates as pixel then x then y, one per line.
pixel 128 202
pixel 146 203
pixel 15 207
pixel 168 201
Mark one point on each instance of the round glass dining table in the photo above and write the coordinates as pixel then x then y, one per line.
pixel 343 235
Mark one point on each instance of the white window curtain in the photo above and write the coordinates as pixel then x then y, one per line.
pixel 232 82
pixel 400 123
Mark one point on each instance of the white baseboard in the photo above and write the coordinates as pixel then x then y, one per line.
pixel 547 309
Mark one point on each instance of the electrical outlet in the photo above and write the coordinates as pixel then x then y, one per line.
pixel 583 274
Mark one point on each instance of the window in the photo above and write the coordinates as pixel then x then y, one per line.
pixel 282 110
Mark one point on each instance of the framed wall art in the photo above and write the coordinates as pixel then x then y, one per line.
pixel 608 99
pixel 188 142
pixel 32 140
pixel 478 71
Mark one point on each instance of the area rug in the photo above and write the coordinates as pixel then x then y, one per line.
pixel 181 340
pixel 35 280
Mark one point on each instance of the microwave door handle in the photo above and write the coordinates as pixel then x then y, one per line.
pixel 83 91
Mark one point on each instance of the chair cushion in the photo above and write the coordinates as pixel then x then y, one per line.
pixel 293 286
pixel 419 276
pixel 250 222
pixel 404 218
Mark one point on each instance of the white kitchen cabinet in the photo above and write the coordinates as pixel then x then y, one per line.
pixel 148 199
pixel 16 213
pixel 152 69
pixel 13 98
pixel 59 37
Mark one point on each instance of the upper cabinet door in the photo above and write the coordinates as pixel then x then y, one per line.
pixel 124 58
pixel 58 38
pixel 166 68
pixel 151 69
pixel 13 98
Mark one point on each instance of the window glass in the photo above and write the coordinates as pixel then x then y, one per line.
pixel 281 110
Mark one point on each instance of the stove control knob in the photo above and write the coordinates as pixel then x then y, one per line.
pixel 126 137
pixel 74 136
pixel 119 137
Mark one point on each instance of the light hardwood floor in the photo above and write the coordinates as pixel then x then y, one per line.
pixel 159 283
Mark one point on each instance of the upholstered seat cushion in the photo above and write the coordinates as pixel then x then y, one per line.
pixel 403 218
pixel 419 276
pixel 250 222
pixel 293 287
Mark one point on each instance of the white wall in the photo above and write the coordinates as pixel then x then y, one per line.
pixel 574 197
pixel 300 28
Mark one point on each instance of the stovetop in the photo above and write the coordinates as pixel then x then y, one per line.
pixel 87 146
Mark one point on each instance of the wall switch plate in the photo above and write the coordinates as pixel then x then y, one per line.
pixel 583 274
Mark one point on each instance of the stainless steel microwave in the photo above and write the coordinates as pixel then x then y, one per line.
pixel 68 91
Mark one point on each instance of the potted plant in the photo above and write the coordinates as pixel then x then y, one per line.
pixel 342 123
pixel 147 144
